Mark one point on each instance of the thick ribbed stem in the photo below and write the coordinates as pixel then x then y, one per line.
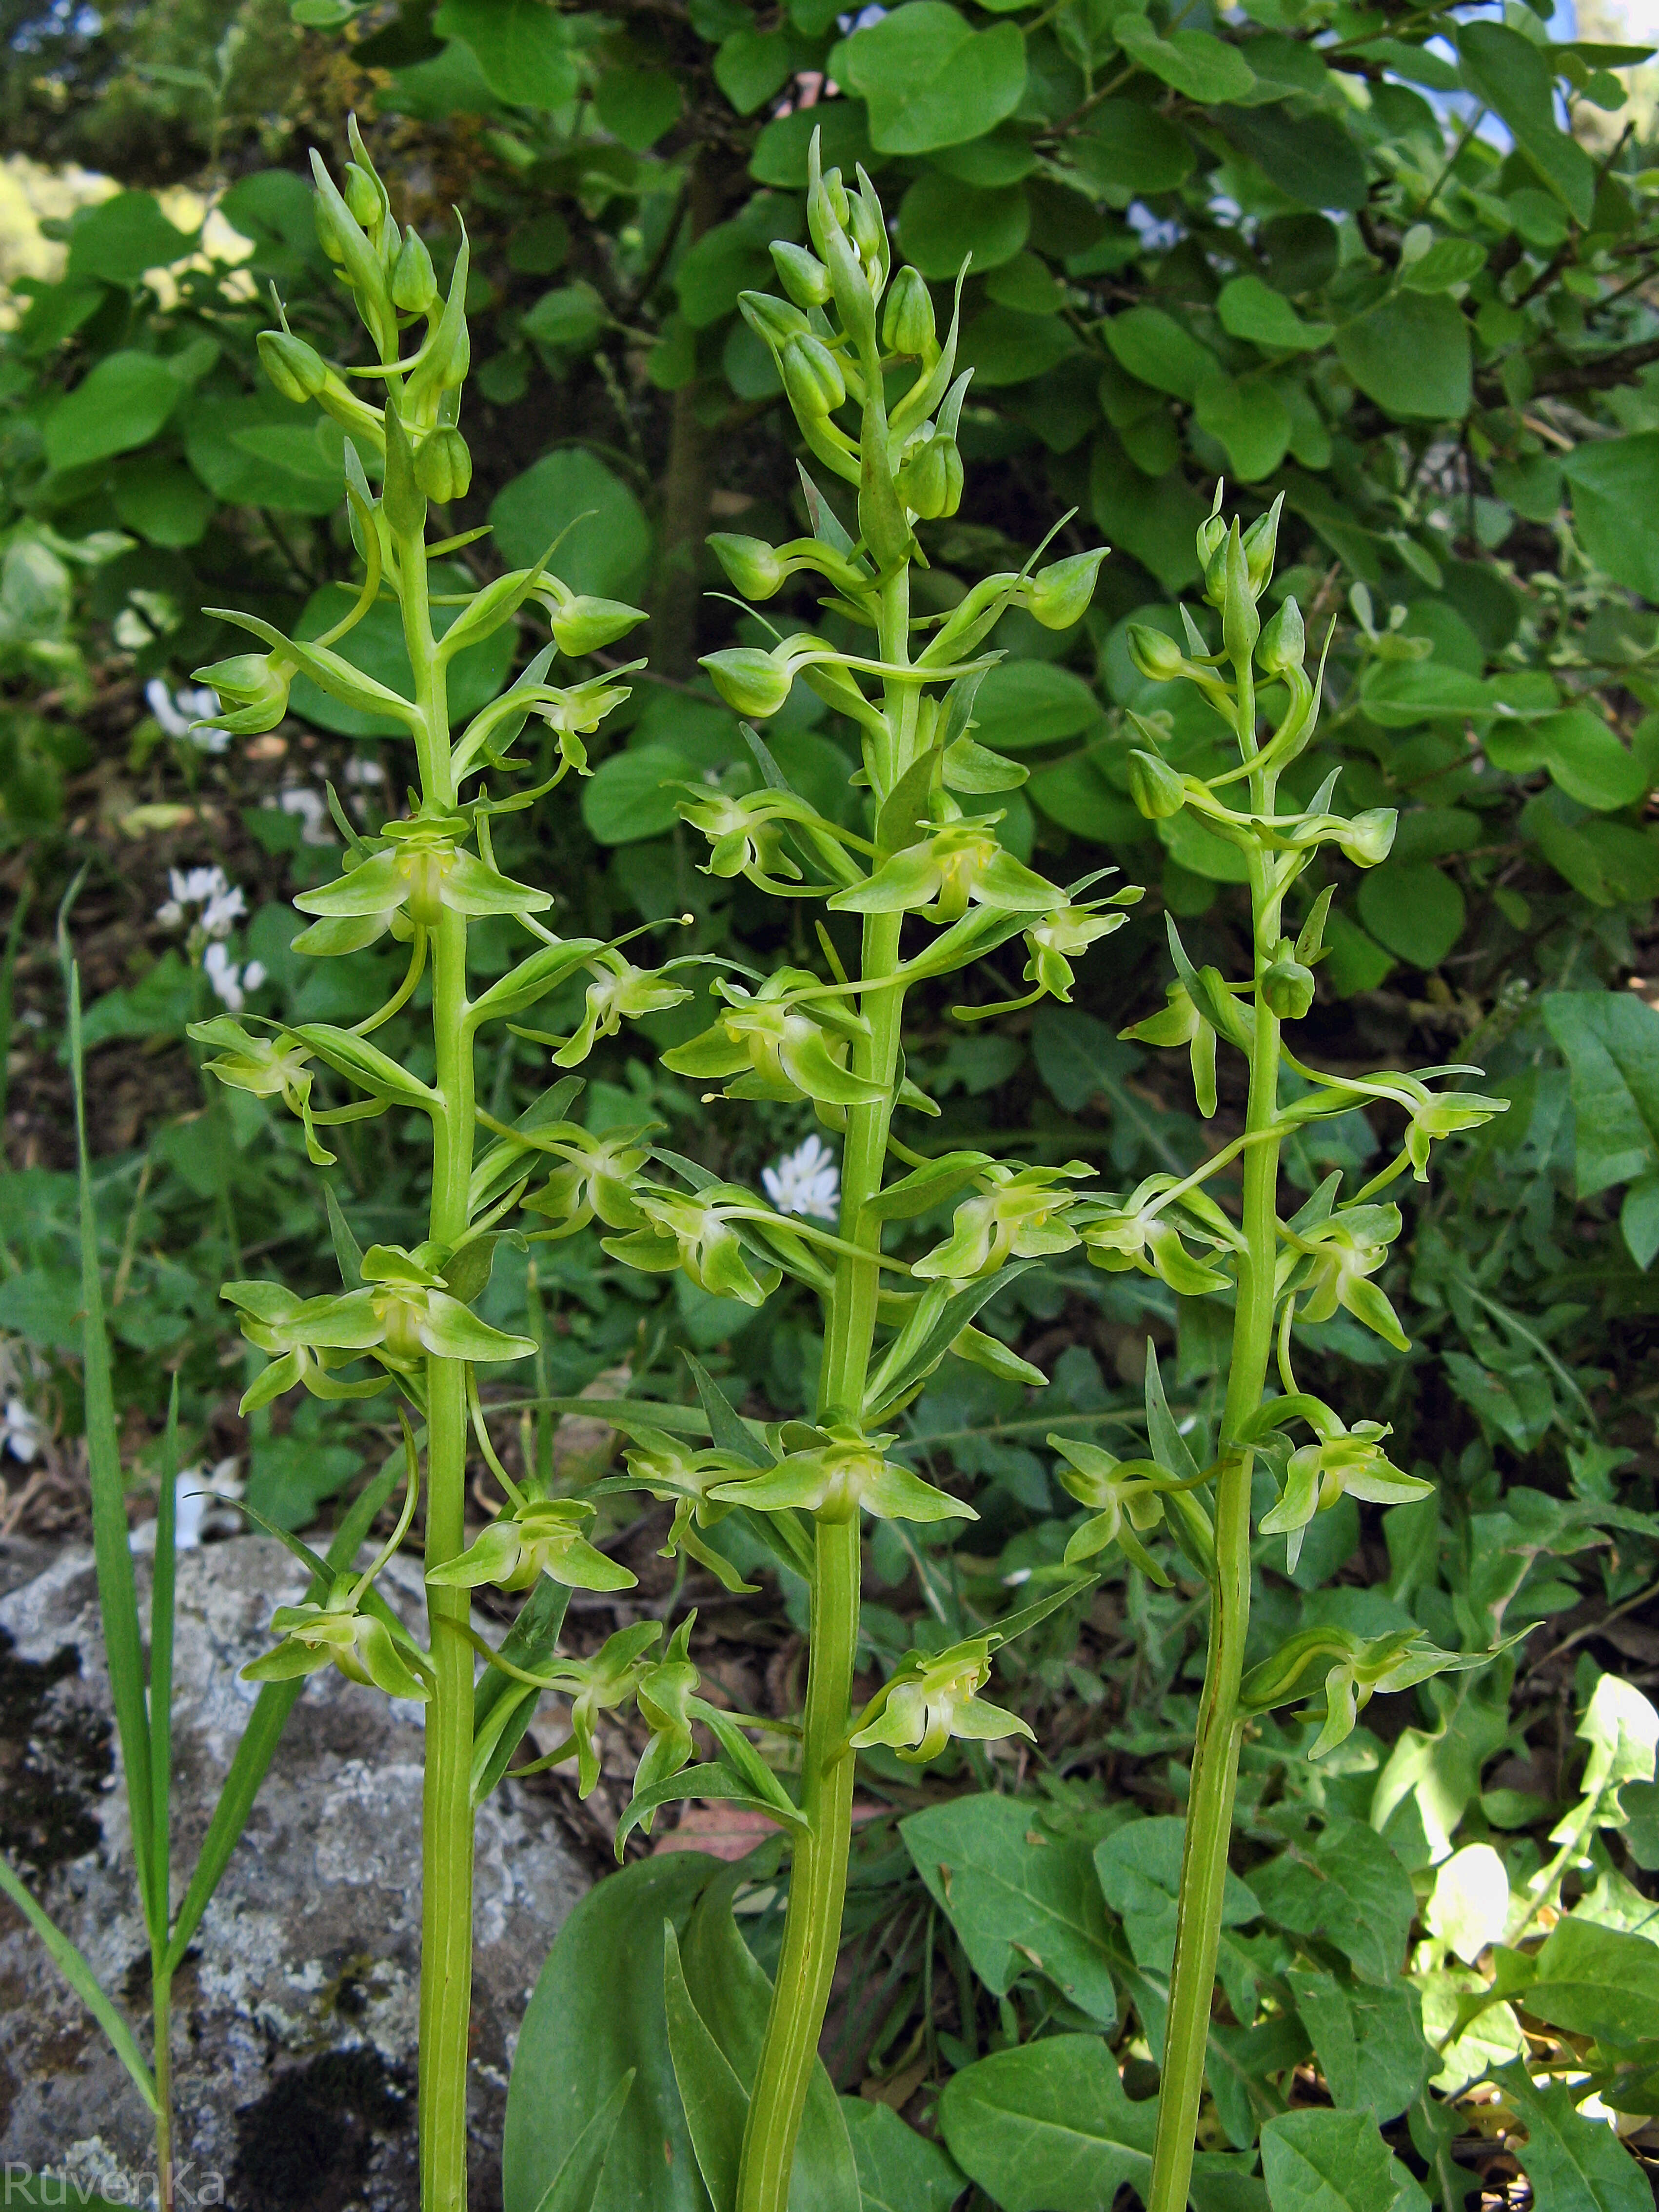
pixel 1215 1752
pixel 818 1887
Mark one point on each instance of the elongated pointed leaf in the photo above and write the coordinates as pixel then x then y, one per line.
pixel 117 1595
pixel 575 2186
pixel 716 2103
pixel 81 1979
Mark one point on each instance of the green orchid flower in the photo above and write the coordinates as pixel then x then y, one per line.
pixel 594 1180
pixel 746 831
pixel 1180 1023
pixel 774 1049
pixel 962 864
pixel 1329 1264
pixel 835 1478
pixel 602 1683
pixel 1363 1668
pixel 423 870
pixel 1123 1495
pixel 1019 1214
pixel 543 1537
pixel 1063 935
pixel 1136 1232
pixel 335 1634
pixel 266 1067
pixel 934 1697
pixel 619 991
pixel 673 1473
pixel 306 1337
pixel 665 1692
pixel 694 1230
pixel 1342 1461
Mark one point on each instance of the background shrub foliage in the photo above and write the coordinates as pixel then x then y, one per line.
pixel 1352 254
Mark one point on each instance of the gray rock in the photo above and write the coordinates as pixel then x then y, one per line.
pixel 294 2019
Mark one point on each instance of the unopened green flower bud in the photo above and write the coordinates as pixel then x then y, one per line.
pixel 1155 787
pixel 252 688
pixel 1283 645
pixel 328 230
pixel 812 376
pixel 930 481
pixel 863 223
pixel 751 563
pixel 584 623
pixel 1212 535
pixel 1159 658
pixel 1061 593
pixel 414 285
pixel 1261 542
pixel 749 680
pixel 826 207
pixel 1288 987
pixel 1370 836
pixel 362 197
pixel 298 371
pixel 775 320
pixel 907 323
pixel 443 466
pixel 1241 625
pixel 801 274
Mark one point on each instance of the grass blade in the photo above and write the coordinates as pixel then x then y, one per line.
pixel 118 1595
pixel 276 1701
pixel 7 972
pixel 81 1979
pixel 163 1589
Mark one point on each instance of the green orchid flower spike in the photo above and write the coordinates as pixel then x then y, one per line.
pixel 404 1318
pixel 1242 658
pixel 837 1476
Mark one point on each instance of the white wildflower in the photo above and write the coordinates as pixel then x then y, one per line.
pixel 201 1498
pixel 19 1431
pixel 177 710
pixel 806 1181
pixel 310 808
pixel 358 769
pixel 230 982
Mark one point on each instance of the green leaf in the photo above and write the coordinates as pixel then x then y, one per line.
pixel 1615 483
pixel 1584 757
pixel 1509 74
pixel 1250 420
pixel 1251 309
pixel 119 239
pixel 610 540
pixel 596 2014
pixel 575 2186
pixel 751 64
pixel 780 154
pixel 1448 261
pixel 1411 354
pixel 367 1066
pixel 1138 1869
pixel 80 1978
pixel 1414 908
pixel 1610 1041
pixel 1153 523
pixel 1017 1897
pixel 570 317
pixel 162 500
pixel 941 221
pixel 1155 349
pixel 1347 1885
pixel 1127 146
pixel 121 402
pixel 1047 2127
pixel 1596 1981
pixel 1368 2042
pixel 1399 694
pixel 927 80
pixel 637 105
pixel 635 794
pixel 1022 704
pixel 1205 68
pixel 716 2103
pixel 1004 346
pixel 522 47
pixel 899 2171
pixel 1308 156
pixel 1574 2164
pixel 290 1476
pixel 1317 2161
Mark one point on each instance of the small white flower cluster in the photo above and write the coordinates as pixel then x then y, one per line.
pixel 218 905
pixel 19 1432
pixel 806 1181
pixel 309 807
pixel 176 710
pixel 221 901
pixel 204 1498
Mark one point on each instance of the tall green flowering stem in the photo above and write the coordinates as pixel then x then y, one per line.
pixel 837 1043
pixel 408 1311
pixel 1325 1256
